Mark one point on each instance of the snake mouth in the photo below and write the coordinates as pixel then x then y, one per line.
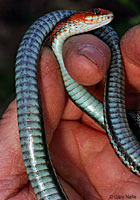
pixel 103 20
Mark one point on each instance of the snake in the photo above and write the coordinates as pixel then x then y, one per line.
pixel 110 115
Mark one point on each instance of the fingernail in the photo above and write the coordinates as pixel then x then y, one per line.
pixel 94 55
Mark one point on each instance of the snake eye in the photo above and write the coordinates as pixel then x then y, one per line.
pixel 96 11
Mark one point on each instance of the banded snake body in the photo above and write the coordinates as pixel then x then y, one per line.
pixel 30 121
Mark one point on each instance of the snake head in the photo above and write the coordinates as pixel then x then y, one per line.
pixel 80 22
pixel 93 16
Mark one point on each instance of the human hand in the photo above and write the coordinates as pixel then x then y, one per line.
pixel 85 162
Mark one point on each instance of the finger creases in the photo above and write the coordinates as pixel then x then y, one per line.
pixel 130 47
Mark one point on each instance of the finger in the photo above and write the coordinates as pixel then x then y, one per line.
pixel 87 58
pixel 131 58
pixel 52 90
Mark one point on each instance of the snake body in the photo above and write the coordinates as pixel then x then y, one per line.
pixel 30 120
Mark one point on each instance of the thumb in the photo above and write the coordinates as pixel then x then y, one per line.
pixel 86 58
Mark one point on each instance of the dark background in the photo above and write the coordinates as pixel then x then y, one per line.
pixel 17 15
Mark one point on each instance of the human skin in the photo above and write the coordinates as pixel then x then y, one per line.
pixel 86 164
